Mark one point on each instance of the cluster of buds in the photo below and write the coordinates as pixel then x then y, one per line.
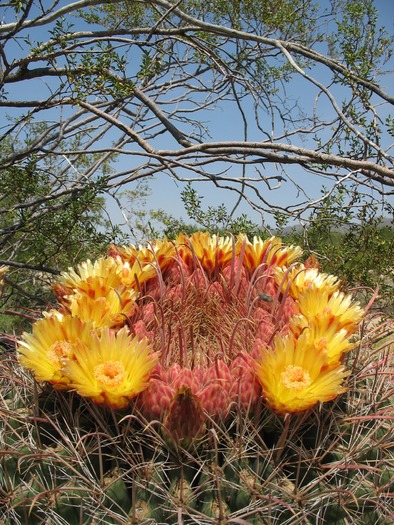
pixel 187 330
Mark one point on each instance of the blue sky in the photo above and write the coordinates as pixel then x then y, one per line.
pixel 165 191
pixel 227 125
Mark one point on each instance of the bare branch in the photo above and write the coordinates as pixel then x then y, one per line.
pixel 98 95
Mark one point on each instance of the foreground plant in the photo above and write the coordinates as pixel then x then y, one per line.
pixel 188 382
pixel 227 319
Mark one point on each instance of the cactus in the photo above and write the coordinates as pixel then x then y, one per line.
pixel 215 331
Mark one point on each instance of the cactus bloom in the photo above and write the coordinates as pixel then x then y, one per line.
pixel 294 378
pixel 111 369
pixel 208 312
pixel 53 339
pixel 197 326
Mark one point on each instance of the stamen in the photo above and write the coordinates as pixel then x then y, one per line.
pixel 295 377
pixel 58 351
pixel 110 374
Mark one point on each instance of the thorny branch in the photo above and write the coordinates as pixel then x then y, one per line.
pixel 168 89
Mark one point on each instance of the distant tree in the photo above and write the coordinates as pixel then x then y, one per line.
pixel 215 219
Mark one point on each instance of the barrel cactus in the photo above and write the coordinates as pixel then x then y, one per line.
pixel 210 380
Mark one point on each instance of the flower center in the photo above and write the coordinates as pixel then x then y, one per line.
pixel 110 374
pixel 58 351
pixel 295 377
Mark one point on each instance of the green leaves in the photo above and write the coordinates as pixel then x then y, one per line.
pixel 359 41
pixel 215 219
pixel 46 224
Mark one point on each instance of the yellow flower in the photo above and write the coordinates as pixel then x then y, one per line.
pixel 328 310
pixel 97 292
pixel 299 279
pixel 53 340
pixel 318 337
pixel 112 369
pixel 270 252
pixel 159 252
pixel 294 378
pixel 101 311
pixel 105 272
pixel 212 252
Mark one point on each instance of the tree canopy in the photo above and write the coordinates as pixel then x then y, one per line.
pixel 264 98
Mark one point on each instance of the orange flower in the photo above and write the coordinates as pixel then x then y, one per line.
pixel 269 252
pixel 211 252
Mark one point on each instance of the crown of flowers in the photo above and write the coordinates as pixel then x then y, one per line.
pixel 187 329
